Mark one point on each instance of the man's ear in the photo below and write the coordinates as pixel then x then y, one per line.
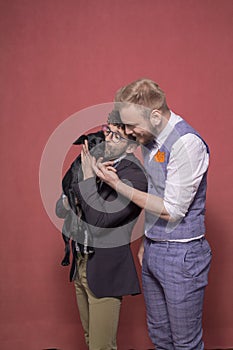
pixel 131 148
pixel 155 118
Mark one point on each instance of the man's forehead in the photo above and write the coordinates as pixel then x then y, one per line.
pixel 132 114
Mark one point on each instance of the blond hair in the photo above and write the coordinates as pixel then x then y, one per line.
pixel 143 92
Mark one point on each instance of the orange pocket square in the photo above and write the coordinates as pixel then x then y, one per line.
pixel 159 157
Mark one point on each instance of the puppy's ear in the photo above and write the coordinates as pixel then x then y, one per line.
pixel 80 140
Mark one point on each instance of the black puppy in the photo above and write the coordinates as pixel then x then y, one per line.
pixel 74 175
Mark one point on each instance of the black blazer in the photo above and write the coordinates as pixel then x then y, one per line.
pixel 111 218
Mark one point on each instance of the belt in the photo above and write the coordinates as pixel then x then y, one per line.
pixel 173 241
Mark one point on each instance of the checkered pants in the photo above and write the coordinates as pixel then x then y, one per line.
pixel 174 277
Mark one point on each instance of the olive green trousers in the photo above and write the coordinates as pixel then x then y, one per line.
pixel 99 316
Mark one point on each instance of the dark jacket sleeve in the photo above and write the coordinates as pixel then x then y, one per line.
pixel 102 206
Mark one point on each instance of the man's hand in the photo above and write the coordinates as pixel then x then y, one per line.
pixel 141 252
pixel 106 172
pixel 87 161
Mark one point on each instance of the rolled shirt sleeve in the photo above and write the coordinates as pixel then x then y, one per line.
pixel 188 163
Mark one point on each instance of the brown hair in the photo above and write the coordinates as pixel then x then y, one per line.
pixel 143 92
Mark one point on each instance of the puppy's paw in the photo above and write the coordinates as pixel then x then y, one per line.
pixel 65 261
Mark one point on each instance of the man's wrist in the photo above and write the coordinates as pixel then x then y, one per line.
pixel 123 188
pixel 88 176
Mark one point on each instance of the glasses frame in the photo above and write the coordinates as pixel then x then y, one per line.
pixel 114 133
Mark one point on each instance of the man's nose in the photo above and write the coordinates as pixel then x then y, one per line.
pixel 128 130
pixel 108 137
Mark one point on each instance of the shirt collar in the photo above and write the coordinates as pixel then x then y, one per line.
pixel 173 120
pixel 118 160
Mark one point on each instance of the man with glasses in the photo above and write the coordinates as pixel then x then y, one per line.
pixel 108 273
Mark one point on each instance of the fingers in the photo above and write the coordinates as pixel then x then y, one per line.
pixel 105 165
pixel 85 154
pixel 85 148
pixel 104 170
pixel 99 161
pixel 110 168
pixel 95 167
pixel 82 156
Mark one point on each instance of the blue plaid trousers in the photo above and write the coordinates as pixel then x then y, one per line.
pixel 174 277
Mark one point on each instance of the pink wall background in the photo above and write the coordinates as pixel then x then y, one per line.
pixel 59 57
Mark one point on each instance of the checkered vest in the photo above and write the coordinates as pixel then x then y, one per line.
pixel 192 225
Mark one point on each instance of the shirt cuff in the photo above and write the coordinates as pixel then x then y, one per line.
pixel 173 211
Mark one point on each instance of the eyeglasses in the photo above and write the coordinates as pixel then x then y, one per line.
pixel 116 136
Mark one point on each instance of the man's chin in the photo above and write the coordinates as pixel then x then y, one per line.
pixel 108 157
pixel 144 140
